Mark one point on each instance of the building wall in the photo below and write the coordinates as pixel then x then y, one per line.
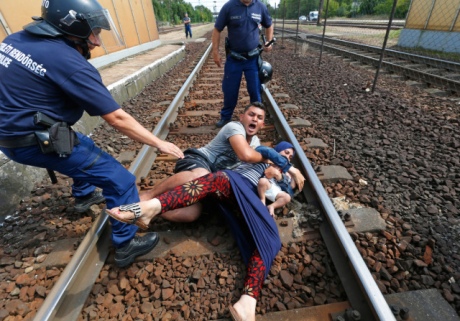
pixel 432 25
pixel 134 19
pixel 434 15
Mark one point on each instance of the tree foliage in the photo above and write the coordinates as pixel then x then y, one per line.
pixel 172 12
pixel 383 8
pixel 292 9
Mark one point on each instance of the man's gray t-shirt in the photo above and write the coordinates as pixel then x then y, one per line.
pixel 219 151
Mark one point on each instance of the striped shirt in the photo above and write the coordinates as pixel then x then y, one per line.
pixel 252 171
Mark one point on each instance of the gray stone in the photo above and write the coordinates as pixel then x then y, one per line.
pixel 281 95
pixel 126 156
pixel 333 174
pixel 315 142
pixel 436 92
pixel 415 84
pixel 365 220
pixel 299 122
pixel 15 183
pixel 424 305
pixel 289 106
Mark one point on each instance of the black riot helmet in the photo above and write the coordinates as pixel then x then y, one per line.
pixel 69 17
pixel 77 18
pixel 265 72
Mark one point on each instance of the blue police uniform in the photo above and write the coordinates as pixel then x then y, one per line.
pixel 242 23
pixel 51 76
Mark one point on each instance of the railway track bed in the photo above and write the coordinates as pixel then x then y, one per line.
pixel 202 285
pixel 437 76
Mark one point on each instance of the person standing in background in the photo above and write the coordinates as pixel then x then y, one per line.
pixel 243 19
pixel 188 27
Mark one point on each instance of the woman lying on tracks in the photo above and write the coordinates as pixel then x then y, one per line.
pixel 253 228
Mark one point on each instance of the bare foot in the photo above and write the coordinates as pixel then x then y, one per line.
pixel 148 210
pixel 246 308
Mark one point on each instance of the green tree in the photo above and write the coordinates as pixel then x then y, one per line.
pixel 367 7
pixel 402 8
pixel 332 9
pixel 384 8
pixel 174 11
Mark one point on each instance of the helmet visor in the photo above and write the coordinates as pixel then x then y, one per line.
pixel 109 35
pixel 101 25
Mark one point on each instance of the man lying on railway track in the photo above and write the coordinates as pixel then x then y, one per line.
pixel 253 228
pixel 45 86
pixel 235 143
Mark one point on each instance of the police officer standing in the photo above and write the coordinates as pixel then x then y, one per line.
pixel 46 83
pixel 243 19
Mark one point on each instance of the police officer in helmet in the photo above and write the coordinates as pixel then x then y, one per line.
pixel 244 20
pixel 46 83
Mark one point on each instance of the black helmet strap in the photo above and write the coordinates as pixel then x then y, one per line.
pixel 83 44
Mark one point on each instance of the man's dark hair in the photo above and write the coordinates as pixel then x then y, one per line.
pixel 257 104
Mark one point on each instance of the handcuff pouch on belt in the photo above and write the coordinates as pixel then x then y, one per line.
pixel 58 137
pixel 43 139
pixel 245 56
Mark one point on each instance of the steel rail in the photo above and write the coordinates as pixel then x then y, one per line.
pixel 378 307
pixel 162 128
pixel 411 73
pixel 68 295
pixel 66 298
pixel 369 25
pixel 434 62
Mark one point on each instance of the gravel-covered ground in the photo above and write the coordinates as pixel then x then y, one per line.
pixel 405 144
pixel 401 141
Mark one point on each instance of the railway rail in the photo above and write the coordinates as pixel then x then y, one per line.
pixel 70 294
pixel 396 25
pixel 428 71
pixel 66 299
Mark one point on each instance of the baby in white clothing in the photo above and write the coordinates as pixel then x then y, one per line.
pixel 276 186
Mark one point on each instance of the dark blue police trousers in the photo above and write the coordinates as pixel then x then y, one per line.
pixel 233 72
pixel 89 167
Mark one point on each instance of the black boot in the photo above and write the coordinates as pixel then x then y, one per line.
pixel 138 246
pixel 82 204
pixel 221 123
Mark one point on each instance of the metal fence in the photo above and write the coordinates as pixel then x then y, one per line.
pixel 419 39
